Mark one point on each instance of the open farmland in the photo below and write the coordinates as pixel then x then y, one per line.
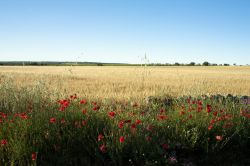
pixel 71 115
pixel 133 82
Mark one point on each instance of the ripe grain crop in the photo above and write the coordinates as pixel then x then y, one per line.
pixel 134 82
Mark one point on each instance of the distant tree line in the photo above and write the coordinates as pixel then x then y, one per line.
pixel 34 63
pixel 190 64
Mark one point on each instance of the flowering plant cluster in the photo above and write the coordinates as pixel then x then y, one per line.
pixel 78 131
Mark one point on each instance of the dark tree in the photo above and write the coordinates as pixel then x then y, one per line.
pixel 192 64
pixel 205 63
pixel 176 64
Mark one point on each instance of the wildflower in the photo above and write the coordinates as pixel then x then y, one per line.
pixel 212 121
pixel 94 103
pixel 4 116
pixel 73 96
pixel 210 127
pixel 164 146
pixel 100 137
pixel 84 111
pixel 84 122
pixel 3 142
pixel 161 110
pixel 149 128
pixel 172 159
pixel 122 139
pixel 62 108
pixel 199 102
pixel 162 117
pixel 209 108
pixel 83 102
pixel 148 138
pixel 215 113
pixel 121 124
pixel 199 108
pixel 142 112
pixel 218 138
pixel 182 113
pixel 96 108
pixel 24 116
pixel 52 120
pixel 190 116
pixel 62 120
pixel 133 126
pixel 138 121
pixel 111 114
pixel 33 156
pixel 103 148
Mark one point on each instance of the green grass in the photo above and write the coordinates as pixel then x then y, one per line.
pixel 34 121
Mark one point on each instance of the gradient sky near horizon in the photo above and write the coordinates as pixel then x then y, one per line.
pixel 168 31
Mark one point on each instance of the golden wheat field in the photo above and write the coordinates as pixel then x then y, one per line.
pixel 132 82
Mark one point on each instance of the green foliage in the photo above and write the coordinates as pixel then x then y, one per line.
pixel 73 131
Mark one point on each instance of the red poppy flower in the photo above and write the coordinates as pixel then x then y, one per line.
pixel 94 103
pixel 52 120
pixel 62 108
pixel 3 142
pixel 84 122
pixel 122 139
pixel 64 103
pixel 182 113
pixel 24 116
pixel 142 113
pixel 164 146
pixel 133 126
pixel 218 138
pixel 121 124
pixel 112 114
pixel 84 111
pixel 199 108
pixel 96 108
pixel 161 110
pixel 73 96
pixel 63 120
pixel 215 113
pixel 100 137
pixel 33 156
pixel 212 121
pixel 103 148
pixel 209 108
pixel 210 127
pixel 3 115
pixel 138 121
pixel 83 102
pixel 162 117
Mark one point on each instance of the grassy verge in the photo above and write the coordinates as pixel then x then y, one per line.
pixel 39 128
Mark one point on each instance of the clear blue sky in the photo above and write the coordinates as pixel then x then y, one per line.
pixel 170 31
